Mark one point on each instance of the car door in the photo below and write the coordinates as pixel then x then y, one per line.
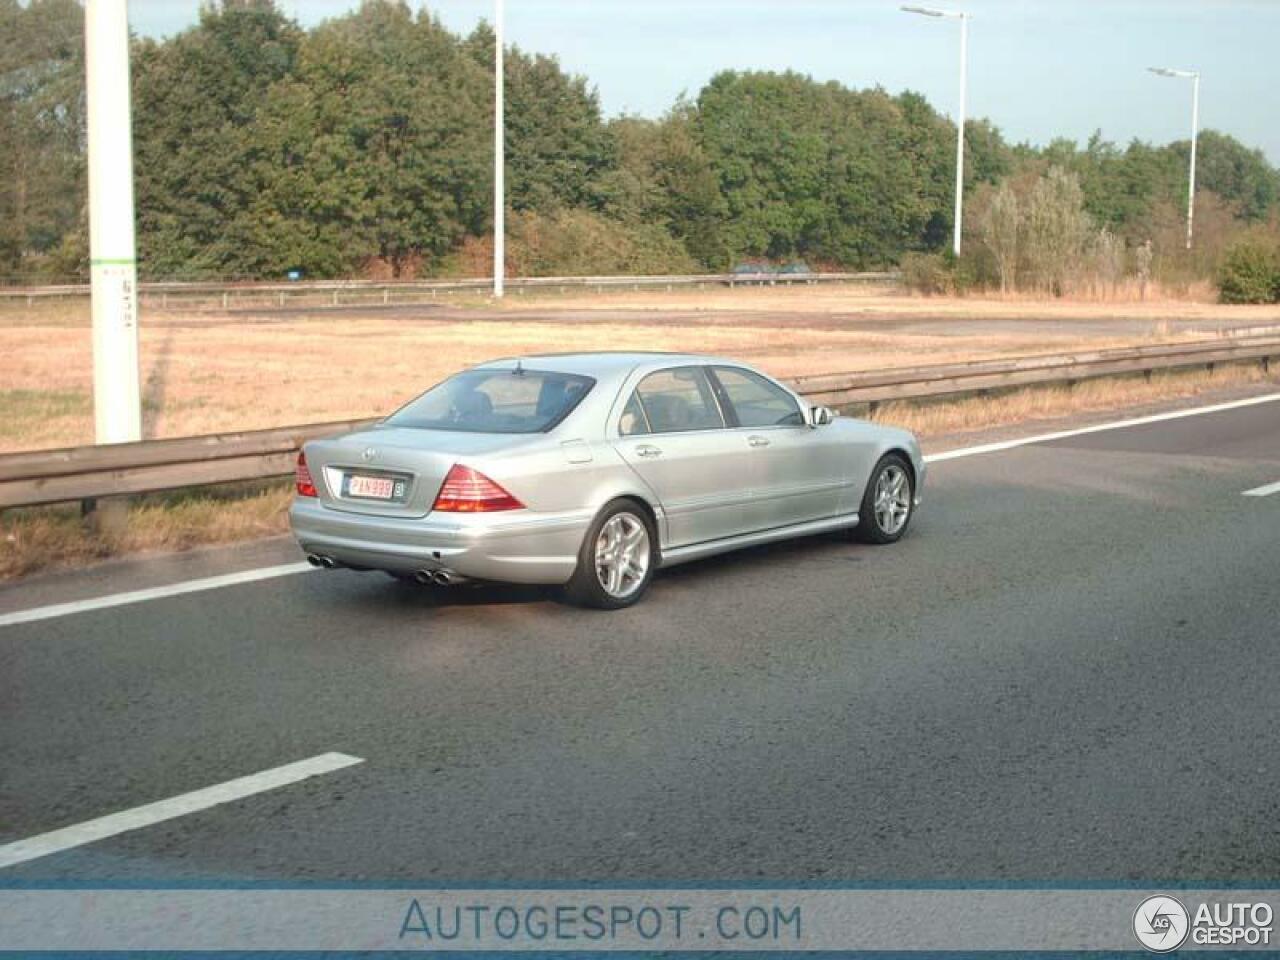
pixel 673 434
pixel 797 471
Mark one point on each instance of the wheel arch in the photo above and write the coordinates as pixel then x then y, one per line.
pixel 905 454
pixel 647 508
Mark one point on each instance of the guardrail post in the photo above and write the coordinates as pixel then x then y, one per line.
pixel 107 517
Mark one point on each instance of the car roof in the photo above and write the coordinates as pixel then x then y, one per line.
pixel 604 363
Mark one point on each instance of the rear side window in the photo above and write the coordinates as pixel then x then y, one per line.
pixel 633 422
pixel 756 401
pixel 677 400
pixel 495 401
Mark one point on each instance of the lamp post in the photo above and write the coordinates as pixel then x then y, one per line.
pixel 964 75
pixel 1194 77
pixel 499 160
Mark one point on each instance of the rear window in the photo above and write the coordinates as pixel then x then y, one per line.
pixel 495 401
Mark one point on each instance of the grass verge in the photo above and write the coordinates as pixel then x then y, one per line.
pixel 1027 405
pixel 39 538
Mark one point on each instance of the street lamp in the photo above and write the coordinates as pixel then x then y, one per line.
pixel 964 69
pixel 499 159
pixel 1194 77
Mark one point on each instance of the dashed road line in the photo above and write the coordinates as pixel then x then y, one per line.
pixel 77 835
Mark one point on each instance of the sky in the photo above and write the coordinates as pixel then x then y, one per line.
pixel 1038 69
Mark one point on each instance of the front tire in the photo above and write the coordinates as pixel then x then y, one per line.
pixel 617 558
pixel 888 502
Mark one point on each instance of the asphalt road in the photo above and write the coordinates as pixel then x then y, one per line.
pixel 1066 672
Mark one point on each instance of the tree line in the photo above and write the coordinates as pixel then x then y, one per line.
pixel 362 147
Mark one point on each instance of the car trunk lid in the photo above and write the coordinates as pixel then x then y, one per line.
pixel 392 471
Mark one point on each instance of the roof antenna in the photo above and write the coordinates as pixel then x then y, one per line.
pixel 519 370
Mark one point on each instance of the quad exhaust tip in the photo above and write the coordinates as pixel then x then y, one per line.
pixel 316 560
pixel 442 578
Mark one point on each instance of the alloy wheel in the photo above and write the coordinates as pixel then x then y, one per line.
pixel 622 555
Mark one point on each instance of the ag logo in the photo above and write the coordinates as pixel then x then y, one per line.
pixel 1161 923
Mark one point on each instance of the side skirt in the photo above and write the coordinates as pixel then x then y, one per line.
pixel 696 551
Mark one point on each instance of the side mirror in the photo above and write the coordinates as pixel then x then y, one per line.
pixel 820 416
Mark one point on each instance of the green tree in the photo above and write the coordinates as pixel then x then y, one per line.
pixel 820 171
pixel 1240 176
pixel 1057 228
pixel 1001 225
pixel 196 97
pixel 378 147
pixel 42 122
pixel 557 146
pixel 664 177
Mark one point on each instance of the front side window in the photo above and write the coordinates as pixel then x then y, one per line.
pixel 756 401
pixel 677 400
pixel 495 401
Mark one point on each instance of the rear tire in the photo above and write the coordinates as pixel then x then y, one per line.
pixel 888 503
pixel 617 559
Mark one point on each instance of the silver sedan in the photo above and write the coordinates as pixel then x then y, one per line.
pixel 594 470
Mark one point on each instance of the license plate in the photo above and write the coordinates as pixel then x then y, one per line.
pixel 374 488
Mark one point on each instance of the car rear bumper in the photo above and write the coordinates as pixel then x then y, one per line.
pixel 515 547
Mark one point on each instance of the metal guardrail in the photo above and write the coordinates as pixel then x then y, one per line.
pixel 83 473
pixel 337 293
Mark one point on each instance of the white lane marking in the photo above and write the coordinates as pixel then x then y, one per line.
pixel 79 834
pixel 1266 491
pixel 266 573
pixel 152 593
pixel 1098 428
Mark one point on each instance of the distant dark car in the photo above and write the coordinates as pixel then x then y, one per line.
pixel 797 271
pixel 747 273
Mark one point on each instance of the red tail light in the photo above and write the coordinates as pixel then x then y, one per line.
pixel 468 491
pixel 302 478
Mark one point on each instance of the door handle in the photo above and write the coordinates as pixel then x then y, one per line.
pixel 648 450
pixel 757 441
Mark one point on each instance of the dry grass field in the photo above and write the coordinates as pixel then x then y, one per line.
pixel 210 372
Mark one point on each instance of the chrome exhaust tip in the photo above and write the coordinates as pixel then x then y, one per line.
pixel 314 560
pixel 424 577
pixel 442 577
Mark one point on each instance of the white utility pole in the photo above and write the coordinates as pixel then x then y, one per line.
pixel 499 161
pixel 964 83
pixel 1194 77
pixel 117 406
